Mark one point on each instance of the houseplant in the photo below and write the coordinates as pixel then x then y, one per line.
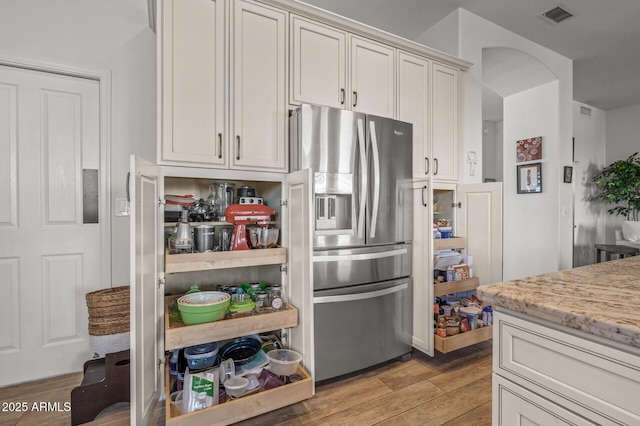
pixel 619 184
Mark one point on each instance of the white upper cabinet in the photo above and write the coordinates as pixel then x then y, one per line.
pixel 224 85
pixel 414 107
pixel 192 82
pixel 373 77
pixel 318 63
pixel 331 67
pixel 259 81
pixel 445 123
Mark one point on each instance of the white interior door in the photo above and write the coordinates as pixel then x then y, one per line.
pixel 49 255
pixel 480 221
pixel 147 332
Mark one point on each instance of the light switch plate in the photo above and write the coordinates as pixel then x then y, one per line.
pixel 122 207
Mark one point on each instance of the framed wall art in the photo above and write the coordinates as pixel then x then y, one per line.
pixel 529 178
pixel 529 149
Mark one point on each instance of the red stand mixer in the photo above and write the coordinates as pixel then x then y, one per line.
pixel 241 215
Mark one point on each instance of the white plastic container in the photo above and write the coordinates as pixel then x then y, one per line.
pixel 283 362
pixel 236 387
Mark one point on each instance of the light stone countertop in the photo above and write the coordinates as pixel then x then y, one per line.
pixel 601 299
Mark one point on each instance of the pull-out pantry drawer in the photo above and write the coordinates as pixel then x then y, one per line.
pixel 589 378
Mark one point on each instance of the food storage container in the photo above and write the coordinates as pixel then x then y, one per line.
pixel 283 362
pixel 201 356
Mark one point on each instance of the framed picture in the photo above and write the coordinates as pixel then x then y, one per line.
pixel 529 149
pixel 568 174
pixel 529 178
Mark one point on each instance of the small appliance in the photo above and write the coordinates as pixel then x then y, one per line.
pixel 241 215
pixel 249 200
pixel 182 239
pixel 221 197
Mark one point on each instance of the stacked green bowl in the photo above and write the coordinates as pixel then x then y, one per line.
pixel 203 307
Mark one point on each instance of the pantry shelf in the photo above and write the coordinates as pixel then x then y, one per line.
pixel 186 262
pixel 452 343
pixel 177 335
pixel 236 410
pixel 440 289
pixel 449 243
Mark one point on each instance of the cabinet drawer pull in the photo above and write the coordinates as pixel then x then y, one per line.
pixel 355 98
pixel 342 96
pixel 219 145
pixel 426 165
pixel 435 163
pixel 237 147
pixel 424 191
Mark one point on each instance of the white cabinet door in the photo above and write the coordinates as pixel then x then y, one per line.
pixel 422 260
pixel 514 405
pixel 373 78
pixel 318 63
pixel 259 80
pixel 192 75
pixel 147 253
pixel 300 261
pixel 413 107
pixel 479 219
pixel 445 107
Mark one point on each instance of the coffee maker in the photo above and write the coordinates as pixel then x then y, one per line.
pixel 243 214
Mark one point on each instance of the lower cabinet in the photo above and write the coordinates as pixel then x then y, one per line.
pixel 549 374
pixel 514 405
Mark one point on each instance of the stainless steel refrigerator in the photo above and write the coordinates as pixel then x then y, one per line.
pixel 362 235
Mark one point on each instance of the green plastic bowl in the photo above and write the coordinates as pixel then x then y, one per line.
pixel 192 314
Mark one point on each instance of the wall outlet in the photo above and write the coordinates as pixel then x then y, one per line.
pixel 122 207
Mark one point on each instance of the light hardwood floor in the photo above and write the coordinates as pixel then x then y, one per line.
pixel 452 389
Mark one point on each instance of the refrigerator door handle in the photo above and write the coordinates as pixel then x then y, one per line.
pixel 375 178
pixel 359 256
pixel 360 296
pixel 363 177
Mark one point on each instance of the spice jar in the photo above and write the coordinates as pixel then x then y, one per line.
pixel 261 298
pixel 276 297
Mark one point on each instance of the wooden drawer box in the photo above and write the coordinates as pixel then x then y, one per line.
pixel 559 365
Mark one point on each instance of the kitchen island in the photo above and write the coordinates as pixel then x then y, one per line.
pixel 566 346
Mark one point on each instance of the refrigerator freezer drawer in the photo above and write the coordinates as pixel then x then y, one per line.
pixel 361 326
pixel 348 267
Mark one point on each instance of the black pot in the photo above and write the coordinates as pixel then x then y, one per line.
pixel 246 191
pixel 241 350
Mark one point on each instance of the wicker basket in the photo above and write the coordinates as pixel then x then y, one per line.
pixel 108 311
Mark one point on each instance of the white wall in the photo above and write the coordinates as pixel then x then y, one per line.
pixel 491 151
pixel 589 155
pixel 103 35
pixel 623 139
pixel 471 34
pixel 530 231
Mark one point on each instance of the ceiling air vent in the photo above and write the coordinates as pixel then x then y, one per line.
pixel 585 111
pixel 556 15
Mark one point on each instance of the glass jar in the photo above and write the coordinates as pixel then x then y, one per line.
pixel 261 298
pixel 277 301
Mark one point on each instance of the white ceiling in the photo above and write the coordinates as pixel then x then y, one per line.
pixel 602 38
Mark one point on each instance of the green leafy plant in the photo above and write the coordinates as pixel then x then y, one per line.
pixel 619 183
